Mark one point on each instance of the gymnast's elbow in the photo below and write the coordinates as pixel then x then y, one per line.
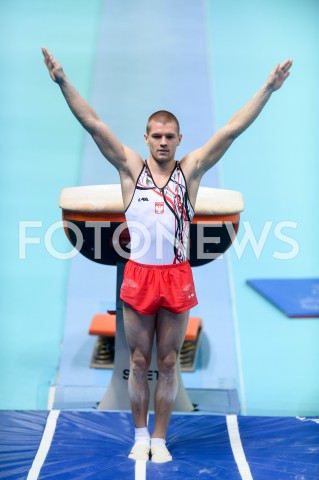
pixel 232 130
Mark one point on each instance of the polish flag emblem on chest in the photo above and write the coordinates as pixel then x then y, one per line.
pixel 159 207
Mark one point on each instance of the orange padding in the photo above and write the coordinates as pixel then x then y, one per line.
pixel 193 327
pixel 104 325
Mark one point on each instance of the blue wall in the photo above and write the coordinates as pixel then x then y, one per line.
pixel 39 156
pixel 275 165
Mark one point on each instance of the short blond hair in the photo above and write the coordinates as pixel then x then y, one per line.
pixel 162 116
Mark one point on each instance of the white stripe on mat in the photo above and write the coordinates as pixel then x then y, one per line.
pixel 140 465
pixel 237 448
pixel 44 446
pixel 140 470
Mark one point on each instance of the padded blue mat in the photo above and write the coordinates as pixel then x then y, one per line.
pixel 95 444
pixel 294 297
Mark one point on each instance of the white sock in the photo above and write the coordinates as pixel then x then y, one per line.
pixel 158 441
pixel 142 435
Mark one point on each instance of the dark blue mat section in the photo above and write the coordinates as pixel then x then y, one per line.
pixel 95 444
pixel 200 448
pixel 91 445
pixel 20 436
pixel 296 298
pixel 281 448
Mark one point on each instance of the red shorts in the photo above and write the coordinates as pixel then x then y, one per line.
pixel 147 288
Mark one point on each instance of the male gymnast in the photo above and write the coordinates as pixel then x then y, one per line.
pixel 158 290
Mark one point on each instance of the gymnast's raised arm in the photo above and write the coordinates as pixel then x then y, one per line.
pixel 113 150
pixel 200 160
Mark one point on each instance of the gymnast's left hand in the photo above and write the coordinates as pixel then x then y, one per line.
pixel 279 75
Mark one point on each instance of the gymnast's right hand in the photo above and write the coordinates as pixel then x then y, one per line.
pixel 55 69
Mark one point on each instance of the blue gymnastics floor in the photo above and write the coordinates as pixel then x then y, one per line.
pixel 94 445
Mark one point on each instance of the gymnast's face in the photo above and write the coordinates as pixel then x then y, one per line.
pixel 162 139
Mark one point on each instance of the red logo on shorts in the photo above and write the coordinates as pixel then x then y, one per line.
pixel 159 207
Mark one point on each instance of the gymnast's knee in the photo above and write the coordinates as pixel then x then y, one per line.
pixel 167 364
pixel 139 365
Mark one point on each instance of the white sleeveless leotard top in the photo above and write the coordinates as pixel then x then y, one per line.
pixel 158 219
